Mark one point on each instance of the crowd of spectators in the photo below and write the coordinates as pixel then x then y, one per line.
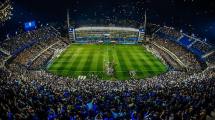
pixel 43 59
pixel 210 59
pixel 27 56
pixel 37 94
pixel 169 33
pixel 196 46
pixel 3 57
pixel 34 45
pixel 5 10
pixel 23 40
pixel 27 94
pixel 166 58
pixel 183 54
pixel 204 47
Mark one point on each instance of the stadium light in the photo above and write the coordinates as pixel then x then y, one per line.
pixel 107 28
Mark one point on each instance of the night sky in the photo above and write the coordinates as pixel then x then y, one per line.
pixel 197 16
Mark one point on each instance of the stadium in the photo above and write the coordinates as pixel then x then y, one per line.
pixel 96 72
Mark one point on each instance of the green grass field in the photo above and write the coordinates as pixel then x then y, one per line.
pixel 87 59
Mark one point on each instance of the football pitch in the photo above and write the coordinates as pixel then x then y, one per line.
pixel 87 59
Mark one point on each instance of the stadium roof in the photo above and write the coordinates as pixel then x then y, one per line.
pixel 107 28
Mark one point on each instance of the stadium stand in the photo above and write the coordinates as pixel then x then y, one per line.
pixel 200 49
pixel 119 35
pixel 18 43
pixel 36 94
pixel 152 28
pixel 5 10
pixel 3 58
pixel 29 54
pixel 185 41
pixel 174 95
pixel 184 55
pixel 42 59
pixel 168 33
pixel 201 46
pixel 210 59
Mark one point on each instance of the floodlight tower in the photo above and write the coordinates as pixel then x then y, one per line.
pixel 68 23
pixel 71 30
pixel 145 22
pixel 142 30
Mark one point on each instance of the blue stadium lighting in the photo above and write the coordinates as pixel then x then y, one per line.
pixel 102 28
pixel 30 25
